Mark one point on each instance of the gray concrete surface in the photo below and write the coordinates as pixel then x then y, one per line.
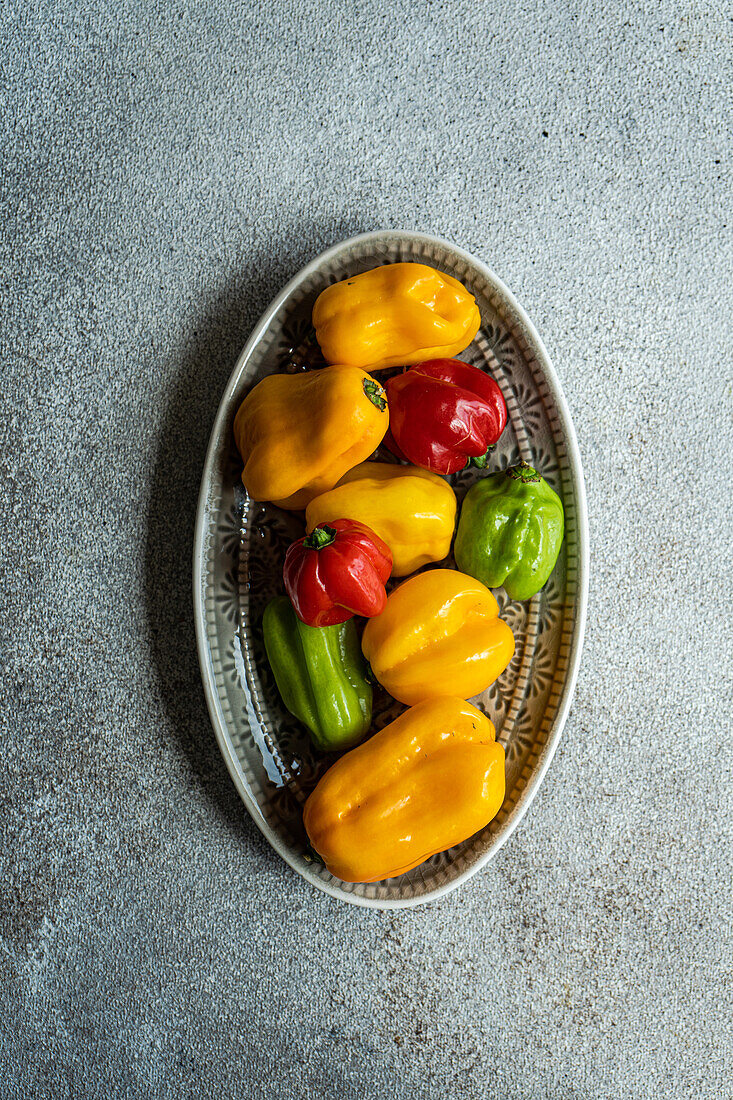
pixel 166 167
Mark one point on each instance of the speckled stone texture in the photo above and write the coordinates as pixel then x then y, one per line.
pixel 166 167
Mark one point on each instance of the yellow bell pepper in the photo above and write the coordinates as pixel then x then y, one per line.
pixel 426 782
pixel 412 510
pixel 440 634
pixel 393 316
pixel 299 433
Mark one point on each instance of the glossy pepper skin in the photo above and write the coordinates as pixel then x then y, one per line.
pixel 337 571
pixel 299 433
pixel 444 414
pixel 426 782
pixel 393 316
pixel 510 532
pixel 439 634
pixel 413 511
pixel 320 674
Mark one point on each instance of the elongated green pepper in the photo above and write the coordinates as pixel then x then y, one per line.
pixel 510 531
pixel 320 674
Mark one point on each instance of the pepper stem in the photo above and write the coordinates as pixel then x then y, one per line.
pixel 319 537
pixel 481 461
pixel 523 472
pixel 375 393
pixel 310 855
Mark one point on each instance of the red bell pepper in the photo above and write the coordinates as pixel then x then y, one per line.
pixel 337 571
pixel 444 414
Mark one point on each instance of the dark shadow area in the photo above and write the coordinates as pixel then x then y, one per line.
pixel 215 343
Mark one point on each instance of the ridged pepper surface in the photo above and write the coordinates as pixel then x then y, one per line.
pixel 439 634
pixel 394 315
pixel 299 433
pixel 510 532
pixel 424 783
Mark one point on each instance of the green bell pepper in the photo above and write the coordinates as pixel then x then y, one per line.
pixel 510 531
pixel 320 674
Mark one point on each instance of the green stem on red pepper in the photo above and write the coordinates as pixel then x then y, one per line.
pixel 320 537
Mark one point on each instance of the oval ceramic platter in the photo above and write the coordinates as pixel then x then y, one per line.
pixel 240 546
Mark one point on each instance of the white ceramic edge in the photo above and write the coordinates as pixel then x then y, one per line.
pixel 217 719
